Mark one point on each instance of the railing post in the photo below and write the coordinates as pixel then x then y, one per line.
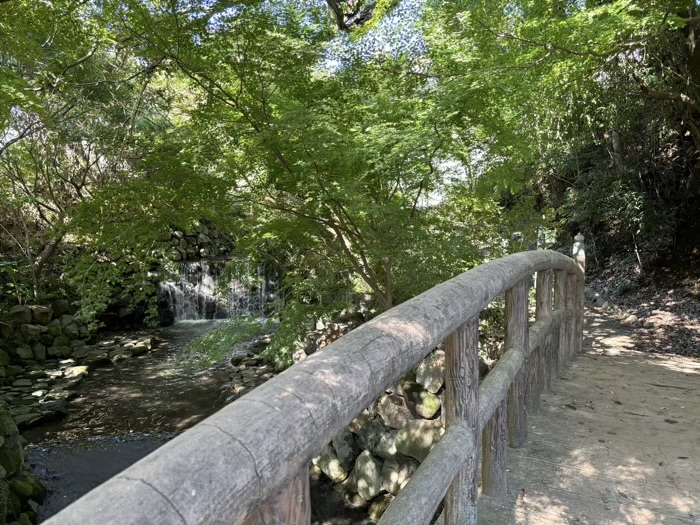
pixel 534 369
pixel 579 254
pixel 462 406
pixel 517 336
pixel 494 478
pixel 543 312
pixel 290 506
pixel 571 294
pixel 560 303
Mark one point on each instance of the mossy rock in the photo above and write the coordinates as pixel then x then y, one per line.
pixel 27 487
pixel 61 340
pixel 24 519
pixel 4 495
pixel 55 329
pixel 7 424
pixel 14 507
pixel 11 456
pixel 14 370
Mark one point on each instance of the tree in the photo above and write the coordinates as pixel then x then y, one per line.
pixel 79 110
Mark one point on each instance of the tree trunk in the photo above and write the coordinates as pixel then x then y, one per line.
pixel 43 258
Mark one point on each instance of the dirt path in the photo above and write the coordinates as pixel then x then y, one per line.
pixel 617 443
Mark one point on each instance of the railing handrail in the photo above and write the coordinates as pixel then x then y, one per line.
pixel 227 466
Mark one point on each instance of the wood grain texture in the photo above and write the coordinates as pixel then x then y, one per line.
pixel 579 309
pixel 580 260
pixel 462 407
pixel 517 336
pixel 571 291
pixel 495 386
pixel 494 480
pixel 543 312
pixel 560 304
pixel 223 469
pixel 290 506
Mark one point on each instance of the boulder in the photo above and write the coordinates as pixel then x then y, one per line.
pixel 61 307
pixel 7 425
pixel 4 358
pixel 330 465
pixel 14 507
pixel 65 351
pixel 430 374
pixel 80 353
pixel 75 372
pixel 420 402
pixel 54 328
pixel 356 424
pixel 6 330
pixel 379 506
pixel 119 355
pixel 137 349
pixel 367 475
pixel 370 435
pixel 386 448
pixel 42 314
pixel 76 343
pixel 57 406
pixel 21 314
pixel 346 448
pixel 54 351
pixel 14 370
pixel 27 487
pixel 97 358
pixel 393 411
pixel 25 352
pixel 72 330
pixel 39 352
pixel 418 437
pixel 11 456
pixel 61 340
pixel 31 332
pixel 396 472
pixel 66 320
pixel 630 319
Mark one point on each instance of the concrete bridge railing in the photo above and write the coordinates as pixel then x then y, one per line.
pixel 248 463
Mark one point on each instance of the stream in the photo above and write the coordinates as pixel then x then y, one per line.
pixel 126 411
pixel 122 413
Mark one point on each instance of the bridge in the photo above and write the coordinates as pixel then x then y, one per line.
pixel 552 434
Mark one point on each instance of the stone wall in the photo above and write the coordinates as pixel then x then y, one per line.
pixel 207 241
pixel 32 334
pixel 373 459
pixel 20 492
pixel 45 352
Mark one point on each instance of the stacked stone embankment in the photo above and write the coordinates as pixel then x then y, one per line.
pixel 45 352
pixel 205 242
pixel 20 492
pixel 376 455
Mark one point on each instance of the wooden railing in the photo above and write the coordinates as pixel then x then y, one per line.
pixel 248 463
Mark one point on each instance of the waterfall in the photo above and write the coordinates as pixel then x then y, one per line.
pixel 199 294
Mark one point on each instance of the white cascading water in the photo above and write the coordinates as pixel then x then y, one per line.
pixel 197 294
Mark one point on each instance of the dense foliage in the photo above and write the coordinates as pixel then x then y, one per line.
pixel 360 168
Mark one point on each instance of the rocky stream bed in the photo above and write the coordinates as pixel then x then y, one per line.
pixel 85 423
